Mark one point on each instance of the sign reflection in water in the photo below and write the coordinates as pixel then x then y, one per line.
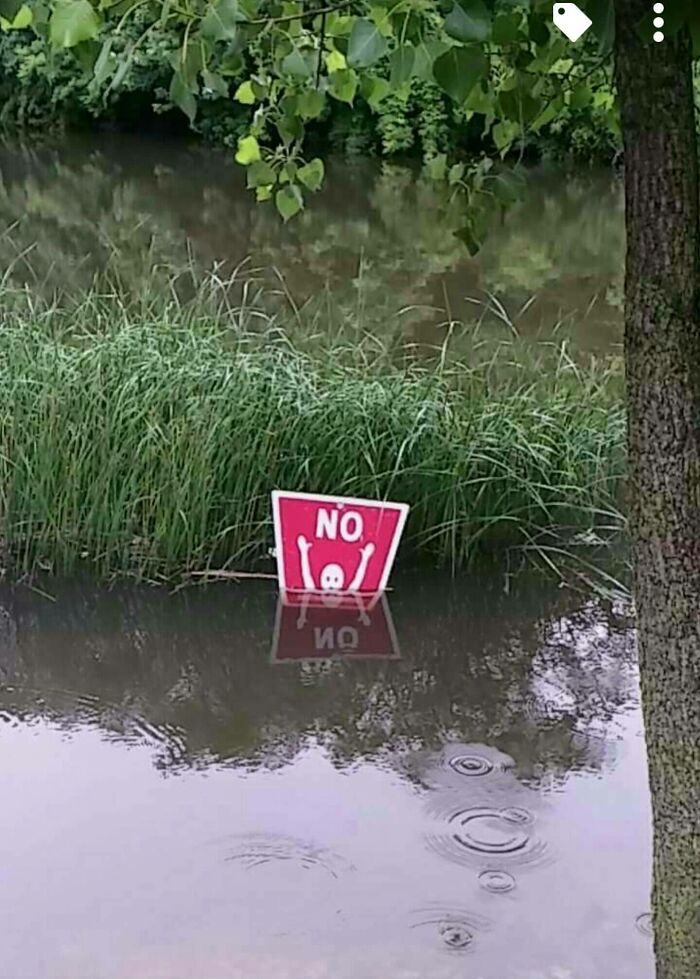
pixel 318 626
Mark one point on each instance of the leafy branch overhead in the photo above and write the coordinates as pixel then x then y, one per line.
pixel 284 61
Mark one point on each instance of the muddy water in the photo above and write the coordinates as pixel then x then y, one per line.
pixel 374 251
pixel 190 793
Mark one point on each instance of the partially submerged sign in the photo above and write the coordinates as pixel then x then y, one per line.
pixel 317 627
pixel 335 543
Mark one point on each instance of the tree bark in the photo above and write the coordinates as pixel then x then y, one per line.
pixel 662 353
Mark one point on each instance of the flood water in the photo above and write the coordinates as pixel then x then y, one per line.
pixel 193 788
pixel 208 785
pixel 374 250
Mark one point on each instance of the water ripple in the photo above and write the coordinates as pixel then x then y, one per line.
pixel 454 929
pixel 470 765
pixel 475 835
pixel 497 881
pixel 455 764
pixel 71 711
pixel 257 849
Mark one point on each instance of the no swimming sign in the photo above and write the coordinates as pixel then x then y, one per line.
pixel 335 543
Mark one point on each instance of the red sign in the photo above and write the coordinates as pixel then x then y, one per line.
pixel 335 543
pixel 309 628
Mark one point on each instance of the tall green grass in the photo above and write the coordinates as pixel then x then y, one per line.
pixel 146 437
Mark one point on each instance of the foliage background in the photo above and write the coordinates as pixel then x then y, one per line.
pixel 56 87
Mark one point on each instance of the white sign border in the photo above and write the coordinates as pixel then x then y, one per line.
pixel 403 509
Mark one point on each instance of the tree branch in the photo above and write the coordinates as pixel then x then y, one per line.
pixel 304 13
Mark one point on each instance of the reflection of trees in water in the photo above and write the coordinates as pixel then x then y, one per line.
pixel 374 242
pixel 191 673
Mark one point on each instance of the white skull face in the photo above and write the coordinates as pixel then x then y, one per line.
pixel 332 577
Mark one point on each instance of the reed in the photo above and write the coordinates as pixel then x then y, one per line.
pixel 145 438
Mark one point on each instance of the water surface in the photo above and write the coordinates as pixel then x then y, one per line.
pixel 181 801
pixel 375 250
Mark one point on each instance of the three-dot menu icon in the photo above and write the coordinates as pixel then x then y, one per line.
pixel 658 22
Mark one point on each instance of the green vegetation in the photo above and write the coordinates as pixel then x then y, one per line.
pixel 37 91
pixel 457 83
pixel 146 437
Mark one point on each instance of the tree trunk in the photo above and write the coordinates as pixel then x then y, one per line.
pixel 662 351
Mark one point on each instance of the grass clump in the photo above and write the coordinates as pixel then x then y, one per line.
pixel 147 440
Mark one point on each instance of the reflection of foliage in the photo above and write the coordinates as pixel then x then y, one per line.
pixel 194 670
pixel 63 224
pixel 373 244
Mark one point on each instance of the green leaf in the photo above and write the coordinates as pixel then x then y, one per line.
pixel 290 8
pixel 123 66
pixel 581 96
pixel 248 9
pixel 343 85
pixel 248 151
pixel 215 83
pixel 221 21
pixel 374 90
pixel 289 201
pixel 437 167
pixel 86 54
pixel 310 103
pixel 480 101
pixel 335 61
pixel 290 127
pixel 104 65
pixel 73 21
pixel 245 94
pixel 182 97
pixel 263 193
pixel 469 20
pixel 295 64
pixel 506 28
pixel 538 29
pixel 602 13
pixel 260 174
pixel 504 133
pixel 231 63
pixel 507 187
pixel 426 56
pixel 366 44
pixel 312 174
pixel 459 69
pixel 288 172
pixel 401 65
pixel 188 62
pixel 22 19
pixel 455 174
pixel 519 106
pixel 548 114
pixel 9 10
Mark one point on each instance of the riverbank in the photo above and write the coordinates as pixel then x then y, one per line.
pixel 145 439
